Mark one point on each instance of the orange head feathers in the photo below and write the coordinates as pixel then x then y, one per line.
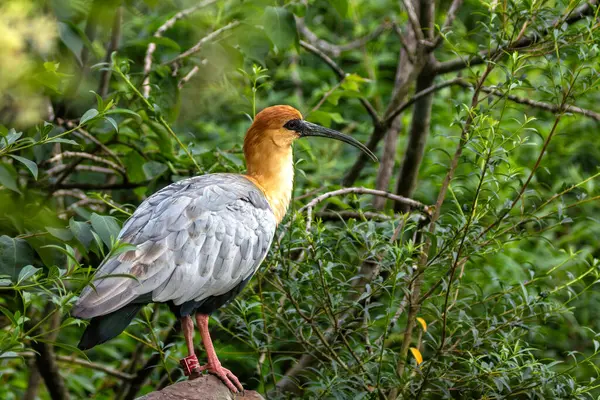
pixel 268 151
pixel 268 126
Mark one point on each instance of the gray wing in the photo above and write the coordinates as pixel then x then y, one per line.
pixel 195 238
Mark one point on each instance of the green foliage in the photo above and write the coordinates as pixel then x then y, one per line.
pixel 503 306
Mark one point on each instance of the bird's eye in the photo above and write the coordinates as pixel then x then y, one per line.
pixel 293 125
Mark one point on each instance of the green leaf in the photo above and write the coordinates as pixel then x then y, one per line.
pixel 124 111
pixel 51 78
pixel 7 312
pixel 255 44
pixel 15 253
pixel 32 166
pixel 82 232
pixel 10 138
pixel 99 101
pixel 280 26
pixel 7 179
pixel 27 272
pixel 325 118
pixel 153 169
pixel 61 140
pixel 353 82
pixel 341 6
pixel 70 37
pixel 113 123
pixel 106 227
pixel 89 115
pixel 63 234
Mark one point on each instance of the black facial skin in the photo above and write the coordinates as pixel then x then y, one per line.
pixel 295 125
pixel 305 129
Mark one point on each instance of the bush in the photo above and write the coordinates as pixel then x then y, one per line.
pixel 470 274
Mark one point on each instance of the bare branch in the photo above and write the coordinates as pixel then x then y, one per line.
pixel 337 215
pixel 188 76
pixel 419 131
pixel 78 194
pixel 336 49
pixel 79 154
pixel 419 95
pixel 198 46
pixel 534 103
pixel 100 186
pixel 413 18
pixel 336 68
pixel 360 190
pixel 388 161
pixel 159 32
pixel 91 168
pixel 87 364
pixel 341 75
pixel 46 364
pixel 409 50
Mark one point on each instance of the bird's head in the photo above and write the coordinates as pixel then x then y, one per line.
pixel 277 127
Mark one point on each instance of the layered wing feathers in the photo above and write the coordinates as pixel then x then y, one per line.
pixel 194 239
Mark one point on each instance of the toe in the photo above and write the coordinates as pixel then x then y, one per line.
pixel 228 378
pixel 235 380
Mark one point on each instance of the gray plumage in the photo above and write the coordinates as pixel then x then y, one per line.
pixel 195 239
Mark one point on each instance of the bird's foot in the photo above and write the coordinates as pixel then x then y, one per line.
pixel 226 376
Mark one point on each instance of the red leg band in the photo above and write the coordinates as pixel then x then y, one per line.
pixel 189 364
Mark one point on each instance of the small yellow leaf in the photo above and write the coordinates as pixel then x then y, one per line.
pixel 423 323
pixel 417 355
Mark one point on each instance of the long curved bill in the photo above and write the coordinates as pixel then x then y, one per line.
pixel 310 129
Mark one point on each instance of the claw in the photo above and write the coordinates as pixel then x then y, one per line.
pixel 225 375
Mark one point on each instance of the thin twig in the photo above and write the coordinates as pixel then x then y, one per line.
pixel 188 76
pixel 413 18
pixel 337 215
pixel 92 168
pixel 101 186
pixel 418 96
pixel 336 49
pixel 450 17
pixel 198 46
pixel 359 190
pixel 87 364
pixel 415 289
pixel 112 47
pixel 108 151
pixel 534 103
pixel 326 96
pixel 341 75
pixel 79 154
pixel 97 367
pixel 159 32
pixel 461 62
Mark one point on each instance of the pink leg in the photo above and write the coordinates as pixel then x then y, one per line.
pixel 214 365
pixel 190 364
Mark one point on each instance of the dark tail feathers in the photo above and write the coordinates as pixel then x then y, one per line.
pixel 106 327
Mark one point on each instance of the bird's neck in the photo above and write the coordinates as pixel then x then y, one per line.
pixel 272 169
